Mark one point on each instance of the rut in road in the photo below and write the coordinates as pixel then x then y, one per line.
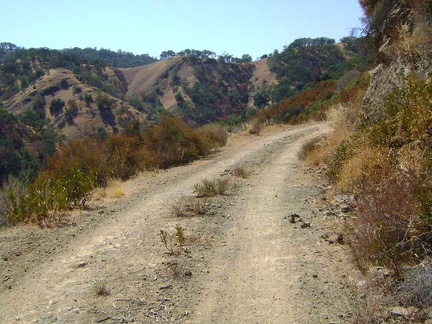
pixel 255 274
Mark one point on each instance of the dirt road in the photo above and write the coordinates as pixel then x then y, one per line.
pixel 243 262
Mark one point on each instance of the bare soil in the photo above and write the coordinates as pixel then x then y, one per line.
pixel 261 75
pixel 243 262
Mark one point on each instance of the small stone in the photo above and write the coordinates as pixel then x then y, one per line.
pixel 82 264
pixel 188 273
pixel 379 272
pixel 5 258
pixel 292 217
pixel 305 225
pixel 167 286
pixel 428 312
pixel 345 208
pixel 399 311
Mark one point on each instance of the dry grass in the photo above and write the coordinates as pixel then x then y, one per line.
pixel 308 147
pixel 211 188
pixel 366 164
pixel 416 288
pixel 189 206
pixel 366 304
pixel 241 172
pixel 215 133
pixel 102 290
pixel 342 119
pixel 115 189
pixel 387 228
pixel 256 127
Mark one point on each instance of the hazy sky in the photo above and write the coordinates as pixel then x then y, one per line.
pixel 237 27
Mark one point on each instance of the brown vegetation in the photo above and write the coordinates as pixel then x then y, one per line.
pixel 293 108
pixel 387 165
pixel 81 165
pixel 211 188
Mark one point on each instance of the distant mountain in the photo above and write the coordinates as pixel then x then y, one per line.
pixel 86 91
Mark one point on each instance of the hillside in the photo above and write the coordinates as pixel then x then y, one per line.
pixel 81 109
pixel 198 90
pixel 94 100
pixel 191 84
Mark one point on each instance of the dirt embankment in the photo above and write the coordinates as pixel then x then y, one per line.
pixel 242 262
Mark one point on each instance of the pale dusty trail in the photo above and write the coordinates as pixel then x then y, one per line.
pixel 249 264
pixel 255 273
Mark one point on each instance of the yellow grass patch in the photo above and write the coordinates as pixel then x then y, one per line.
pixel 115 189
pixel 366 165
pixel 340 116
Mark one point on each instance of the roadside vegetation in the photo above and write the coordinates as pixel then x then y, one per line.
pixel 79 166
pixel 384 159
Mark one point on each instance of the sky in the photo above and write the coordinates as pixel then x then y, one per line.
pixel 236 27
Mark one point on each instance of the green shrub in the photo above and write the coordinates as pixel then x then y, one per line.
pixel 88 98
pixel 51 193
pixel 87 153
pixel 180 235
pixel 56 107
pixel 343 152
pixel 14 193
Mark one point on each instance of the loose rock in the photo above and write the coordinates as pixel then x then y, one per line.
pixel 305 225
pixel 82 264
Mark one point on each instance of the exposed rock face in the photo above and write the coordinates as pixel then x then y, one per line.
pixel 404 38
pixel 384 78
pixel 387 77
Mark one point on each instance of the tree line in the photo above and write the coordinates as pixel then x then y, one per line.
pixel 206 54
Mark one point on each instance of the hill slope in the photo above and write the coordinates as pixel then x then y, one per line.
pixel 198 90
pixel 91 100
pixel 73 107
